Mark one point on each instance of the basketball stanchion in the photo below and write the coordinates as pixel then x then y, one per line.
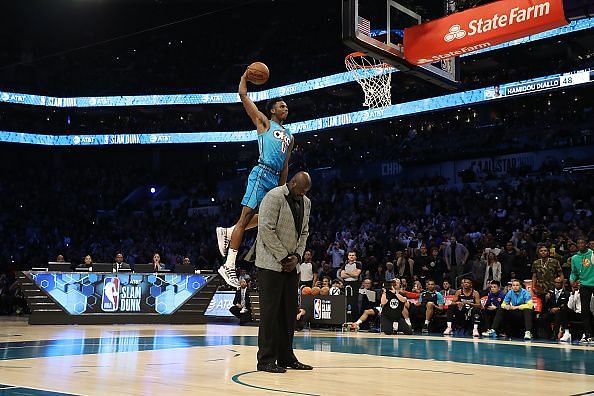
pixel 373 76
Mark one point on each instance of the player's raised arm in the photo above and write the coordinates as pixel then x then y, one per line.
pixel 258 118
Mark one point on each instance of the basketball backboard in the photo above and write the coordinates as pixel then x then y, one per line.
pixel 376 27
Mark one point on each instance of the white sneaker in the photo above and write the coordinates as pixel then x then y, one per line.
pixel 475 333
pixel 585 339
pixel 448 331
pixel 566 337
pixel 527 335
pixel 229 275
pixel 243 310
pixel 489 333
pixel 223 240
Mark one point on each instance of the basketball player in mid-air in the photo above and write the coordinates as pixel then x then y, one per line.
pixel 275 144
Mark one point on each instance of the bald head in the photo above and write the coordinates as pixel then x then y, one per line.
pixel 299 184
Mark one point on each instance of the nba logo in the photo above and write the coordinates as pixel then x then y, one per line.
pixel 317 308
pixel 111 294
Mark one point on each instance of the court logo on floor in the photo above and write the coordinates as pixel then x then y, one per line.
pixel 111 294
pixel 322 309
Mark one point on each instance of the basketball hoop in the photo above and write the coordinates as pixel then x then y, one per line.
pixel 372 76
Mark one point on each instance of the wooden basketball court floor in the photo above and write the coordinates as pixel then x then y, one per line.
pixel 220 359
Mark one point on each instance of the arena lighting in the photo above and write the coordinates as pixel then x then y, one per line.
pixel 458 99
pixel 153 190
pixel 223 98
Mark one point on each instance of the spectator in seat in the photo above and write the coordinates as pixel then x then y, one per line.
pixel 492 269
pixel 455 255
pixel 337 288
pixel 556 311
pixel 87 262
pixel 465 307
pixel 544 272
pixel 242 307
pixel 326 270
pixel 404 284
pixel 582 273
pixel 308 275
pixel 393 304
pixel 446 289
pixel 430 303
pixel 517 304
pixel 417 287
pixel 157 265
pixel 389 274
pixel 494 300
pixel 119 262
pixel 367 304
pixel 60 259
pixel 351 270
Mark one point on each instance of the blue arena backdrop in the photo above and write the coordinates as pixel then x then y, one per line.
pixel 104 293
pixel 535 85
pixel 223 98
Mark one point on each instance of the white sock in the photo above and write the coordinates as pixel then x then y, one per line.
pixel 449 325
pixel 476 326
pixel 395 326
pixel 407 320
pixel 359 321
pixel 426 322
pixel 231 256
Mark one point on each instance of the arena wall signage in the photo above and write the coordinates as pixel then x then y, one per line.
pixel 479 28
pixel 102 293
pixel 535 85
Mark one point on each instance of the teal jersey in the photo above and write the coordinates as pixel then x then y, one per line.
pixel 274 146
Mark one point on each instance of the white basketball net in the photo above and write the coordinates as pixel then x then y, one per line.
pixel 373 77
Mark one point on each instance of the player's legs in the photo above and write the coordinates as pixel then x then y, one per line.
pixel 227 271
pixel 364 316
pixel 224 234
pixel 260 182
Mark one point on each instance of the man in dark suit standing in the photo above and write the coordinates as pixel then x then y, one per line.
pixel 283 228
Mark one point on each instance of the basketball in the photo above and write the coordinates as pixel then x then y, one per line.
pixel 306 291
pixel 315 291
pixel 258 73
pixel 324 291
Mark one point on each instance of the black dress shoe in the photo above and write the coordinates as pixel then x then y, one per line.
pixel 296 365
pixel 271 368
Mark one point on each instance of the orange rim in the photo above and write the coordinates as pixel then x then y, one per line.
pixel 361 55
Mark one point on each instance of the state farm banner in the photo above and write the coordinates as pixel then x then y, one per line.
pixel 479 28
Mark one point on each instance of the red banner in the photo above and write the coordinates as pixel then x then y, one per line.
pixel 480 27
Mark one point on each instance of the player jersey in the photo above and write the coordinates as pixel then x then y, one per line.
pixel 393 308
pixel 274 146
pixel 434 296
pixel 467 300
